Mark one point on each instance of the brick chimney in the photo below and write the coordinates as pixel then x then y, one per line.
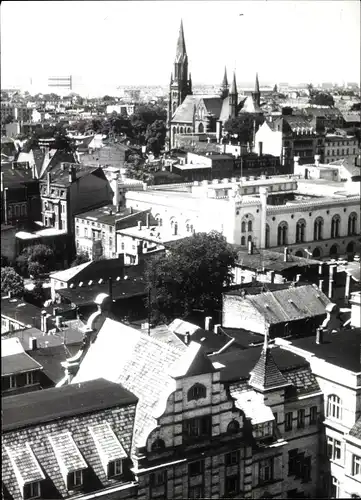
pixel 319 335
pixel 285 254
pixel 208 323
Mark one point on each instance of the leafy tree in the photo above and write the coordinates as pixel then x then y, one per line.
pixel 36 260
pixel 242 126
pixel 12 282
pixel 81 258
pixel 144 116
pixel 191 276
pixel 322 99
pixel 5 261
pixel 155 136
pixel 97 125
pixel 137 169
pixel 37 295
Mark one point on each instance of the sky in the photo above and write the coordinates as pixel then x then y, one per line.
pixel 104 44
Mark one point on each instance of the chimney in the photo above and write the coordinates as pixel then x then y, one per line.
pixel 48 178
pixel 6 205
pixel 272 276
pixel 44 322
pixel 130 210
pixel 320 269
pixel 33 171
pixel 298 277
pixel 330 282
pixel 115 189
pixel 58 321
pixel 55 311
pixel 148 220
pixel 187 338
pixel 320 285
pixel 33 344
pixel 208 323
pixel 139 225
pixel 72 173
pixel 250 248
pixel 2 181
pixel 260 148
pixel 296 159
pixel 317 160
pixel 110 285
pixel 319 335
pixel 285 254
pixel 216 329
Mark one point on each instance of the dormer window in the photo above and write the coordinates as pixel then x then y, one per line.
pixel 158 445
pixel 115 468
pixel 75 480
pixel 233 427
pixel 196 392
pixel 32 490
pixel 264 430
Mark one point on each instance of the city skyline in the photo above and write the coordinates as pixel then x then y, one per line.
pixel 102 49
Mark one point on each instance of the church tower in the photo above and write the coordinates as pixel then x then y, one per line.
pixel 180 85
pixel 224 85
pixel 257 94
pixel 233 98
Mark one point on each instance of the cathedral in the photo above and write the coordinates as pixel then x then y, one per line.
pixel 190 113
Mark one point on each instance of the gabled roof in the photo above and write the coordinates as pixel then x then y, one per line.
pixel 249 105
pixel 270 260
pixel 356 429
pixel 68 274
pixel 140 363
pixel 185 112
pixel 266 374
pixel 17 176
pixel 213 105
pixel 18 363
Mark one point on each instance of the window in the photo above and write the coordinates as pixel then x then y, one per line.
pixel 110 242
pixel 195 468
pixel 300 231
pixel 243 241
pixel 75 479
pixel 335 488
pixel 115 468
pixel 233 427
pixel 158 478
pixel 313 415
pixel 77 230
pixel 195 492
pixel 198 391
pixel 288 421
pixel 197 427
pixel 292 462
pixel 266 470
pixel 85 231
pixel 335 226
pixel 317 229
pixel 30 379
pixel 300 419
pixel 110 229
pixel 282 234
pixel 243 227
pixel 306 470
pixel 32 490
pixel 232 458
pixel 351 228
pixel 334 407
pixel 267 236
pixel 122 245
pixel 356 465
pixel 333 448
pixel 249 225
pixel 232 485
pixel 263 430
pixel 158 445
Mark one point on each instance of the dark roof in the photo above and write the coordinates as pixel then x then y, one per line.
pixel 244 338
pixel 103 215
pixel 61 176
pixel 239 364
pixel 16 176
pixel 356 429
pixel 213 105
pixel 266 374
pixel 18 363
pixel 86 294
pixel 270 260
pixel 51 358
pixel 21 311
pixel 36 407
pixel 340 349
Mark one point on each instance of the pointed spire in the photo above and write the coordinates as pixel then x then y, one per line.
pixel 256 87
pixel 266 374
pixel 225 79
pixel 181 45
pixel 234 85
pixel 171 78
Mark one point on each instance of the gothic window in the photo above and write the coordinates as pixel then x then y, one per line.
pixel 177 130
pixel 249 225
pixel 198 391
pixel 282 234
pixel 181 130
pixel 200 128
pixel 233 427
pixel 188 130
pixel 249 238
pixel 243 241
pixel 317 229
pixel 267 236
pixel 351 229
pixel 174 107
pixel 300 231
pixel 335 226
pixel 174 130
pixel 158 445
pixel 243 227
pixel 333 251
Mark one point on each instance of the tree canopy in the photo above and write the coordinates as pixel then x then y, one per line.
pixel 36 260
pixel 243 126
pixel 322 99
pixel 80 258
pixel 12 282
pixel 191 276
pixel 155 136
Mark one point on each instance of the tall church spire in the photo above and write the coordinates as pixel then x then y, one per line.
pixel 224 86
pixel 233 98
pixel 234 85
pixel 257 92
pixel 225 79
pixel 181 45
pixel 256 86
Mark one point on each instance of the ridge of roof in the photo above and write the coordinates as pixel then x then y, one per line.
pixel 266 375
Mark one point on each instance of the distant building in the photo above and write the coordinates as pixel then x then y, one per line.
pixel 341 147
pixel 121 109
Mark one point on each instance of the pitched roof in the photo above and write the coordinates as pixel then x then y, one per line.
pixel 68 274
pixel 61 176
pixel 32 408
pixel 270 260
pixel 213 105
pixel 256 87
pixel 253 406
pixel 17 176
pixel 356 429
pixel 185 112
pixel 225 79
pixel 266 374
pixel 137 361
pixel 18 363
pixel 233 89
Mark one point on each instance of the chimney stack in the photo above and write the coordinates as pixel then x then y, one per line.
pixel 260 148
pixel 272 276
pixel 320 285
pixel 2 181
pixel 298 277
pixel 48 178
pixel 216 329
pixel 33 344
pixel 317 160
pixel 58 321
pixel 250 248
pixel 72 174
pixel 285 254
pixel 296 159
pixel 208 323
pixel 187 338
pixel 44 322
pixel 319 335
pixel 139 225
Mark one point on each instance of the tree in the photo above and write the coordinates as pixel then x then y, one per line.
pixel 144 116
pixel 81 258
pixel 243 126
pixel 36 296
pixel 191 276
pixel 36 260
pixel 97 125
pixel 12 282
pixel 322 99
pixel 155 136
pixel 4 261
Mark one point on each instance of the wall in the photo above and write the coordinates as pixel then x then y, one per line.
pixel 272 141
pixel 237 312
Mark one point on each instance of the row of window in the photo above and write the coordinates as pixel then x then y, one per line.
pixel 17 210
pixel 299 465
pixel 18 381
pixel 301 418
pixel 343 152
pixel 92 223
pixel 334 452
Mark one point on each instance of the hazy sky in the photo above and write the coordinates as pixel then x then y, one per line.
pixel 105 44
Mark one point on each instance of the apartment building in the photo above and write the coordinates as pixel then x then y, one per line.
pixel 341 146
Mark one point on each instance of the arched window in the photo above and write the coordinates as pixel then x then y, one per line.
pixel 174 107
pixel 159 220
pixel 243 227
pixel 177 130
pixel 249 238
pixel 158 445
pixel 233 427
pixel 300 231
pixel 201 128
pixel 334 407
pixel 188 130
pixel 197 391
pixel 317 229
pixel 335 226
pixel 249 225
pixel 243 241
pixel 352 220
pixel 333 251
pixel 174 130
pixel 299 253
pixel 181 130
pixel 350 247
pixel 316 253
pixel 267 236
pixel 282 234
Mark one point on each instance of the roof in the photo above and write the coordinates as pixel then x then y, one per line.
pixel 32 408
pixel 342 349
pixel 351 117
pixel 68 274
pixel 270 260
pixel 291 304
pixel 356 429
pixel 137 361
pixel 266 374
pixel 353 269
pixel 50 358
pixel 108 214
pixel 18 363
pixel 185 112
pixel 181 46
pixel 60 175
pixel 10 347
pixel 253 406
pixel 21 311
pixel 210 341
pixel 213 105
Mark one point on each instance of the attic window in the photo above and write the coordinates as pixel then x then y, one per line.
pixel 263 430
pixel 158 445
pixel 32 490
pixel 115 468
pixel 75 479
pixel 233 427
pixel 196 392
